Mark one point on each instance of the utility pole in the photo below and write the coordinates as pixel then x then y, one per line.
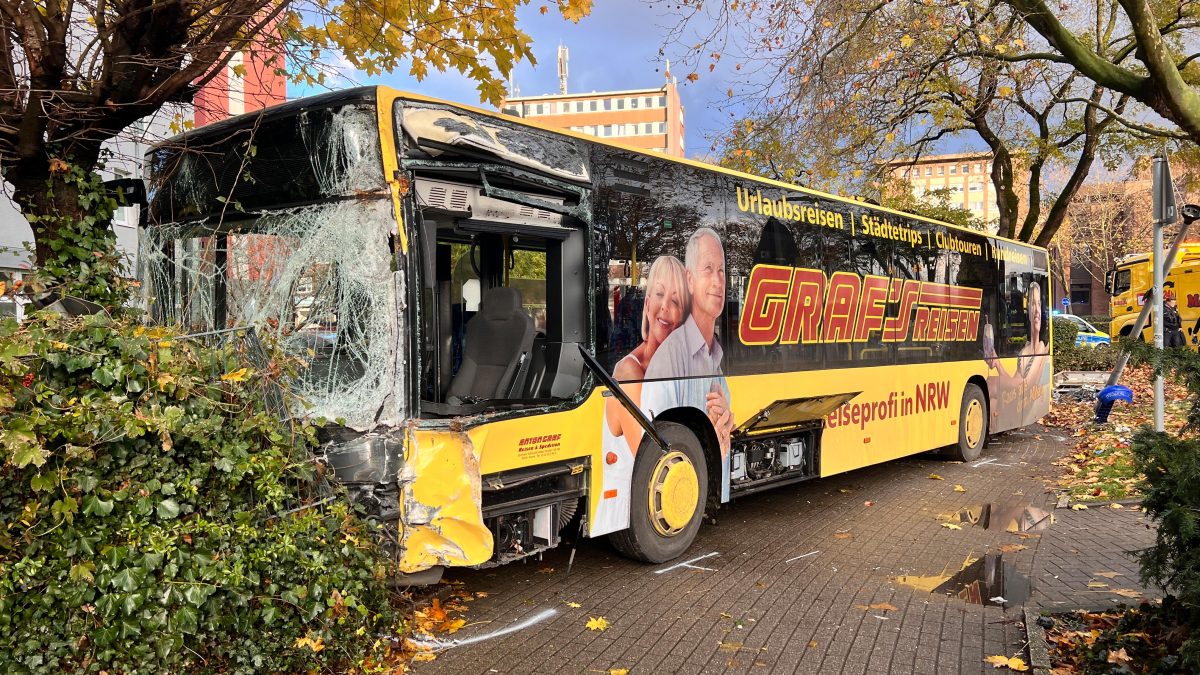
pixel 1164 214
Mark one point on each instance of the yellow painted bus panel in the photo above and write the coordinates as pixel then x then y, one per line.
pixel 441 520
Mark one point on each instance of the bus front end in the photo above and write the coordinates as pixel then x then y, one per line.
pixel 306 227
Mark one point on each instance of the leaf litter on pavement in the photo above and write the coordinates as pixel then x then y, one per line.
pixel 1099 465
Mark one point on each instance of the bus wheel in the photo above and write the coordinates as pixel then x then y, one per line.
pixel 669 493
pixel 972 425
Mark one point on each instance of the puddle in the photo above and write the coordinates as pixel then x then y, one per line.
pixel 988 581
pixel 1008 517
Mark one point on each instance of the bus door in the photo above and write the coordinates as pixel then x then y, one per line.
pixel 505 300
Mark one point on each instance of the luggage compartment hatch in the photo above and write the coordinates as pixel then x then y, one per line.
pixel 792 414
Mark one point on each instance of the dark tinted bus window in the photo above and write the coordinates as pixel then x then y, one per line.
pixel 839 350
pixel 646 211
pixel 1023 313
pixel 914 263
pixel 967 264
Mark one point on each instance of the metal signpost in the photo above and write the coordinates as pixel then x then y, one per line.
pixel 1164 214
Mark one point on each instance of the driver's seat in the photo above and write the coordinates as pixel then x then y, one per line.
pixel 496 345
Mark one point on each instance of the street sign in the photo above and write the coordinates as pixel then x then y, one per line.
pixel 1164 191
pixel 1066 302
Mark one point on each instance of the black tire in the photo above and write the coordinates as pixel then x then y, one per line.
pixel 968 449
pixel 642 540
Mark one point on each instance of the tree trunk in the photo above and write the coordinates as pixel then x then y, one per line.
pixel 71 219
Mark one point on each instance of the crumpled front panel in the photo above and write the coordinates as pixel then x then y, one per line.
pixel 441 517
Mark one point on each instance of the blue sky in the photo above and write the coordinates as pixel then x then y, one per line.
pixel 616 47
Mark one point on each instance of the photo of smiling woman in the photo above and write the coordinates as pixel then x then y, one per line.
pixel 665 308
pixel 1027 382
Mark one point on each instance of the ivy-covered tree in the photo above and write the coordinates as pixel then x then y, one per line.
pixel 74 75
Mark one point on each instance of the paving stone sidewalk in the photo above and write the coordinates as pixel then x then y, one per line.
pixel 786 580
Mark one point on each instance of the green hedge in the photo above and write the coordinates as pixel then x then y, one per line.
pixel 1069 357
pixel 158 517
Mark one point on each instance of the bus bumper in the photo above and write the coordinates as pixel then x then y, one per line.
pixel 441 517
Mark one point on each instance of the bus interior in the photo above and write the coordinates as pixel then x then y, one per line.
pixel 503 303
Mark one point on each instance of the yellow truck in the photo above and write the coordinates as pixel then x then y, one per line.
pixel 1129 283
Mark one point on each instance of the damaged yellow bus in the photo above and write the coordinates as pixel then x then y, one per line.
pixel 521 330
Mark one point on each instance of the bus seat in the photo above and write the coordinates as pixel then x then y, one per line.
pixel 498 341
pixel 532 387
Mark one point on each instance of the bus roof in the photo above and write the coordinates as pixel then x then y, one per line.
pixel 380 92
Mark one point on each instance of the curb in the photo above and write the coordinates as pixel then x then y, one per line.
pixel 1039 649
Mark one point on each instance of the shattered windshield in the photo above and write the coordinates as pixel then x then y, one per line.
pixel 300 158
pixel 281 222
pixel 318 278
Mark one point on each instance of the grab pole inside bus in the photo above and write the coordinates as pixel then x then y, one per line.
pixel 623 398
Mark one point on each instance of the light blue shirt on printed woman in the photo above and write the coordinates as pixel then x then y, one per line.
pixel 686 370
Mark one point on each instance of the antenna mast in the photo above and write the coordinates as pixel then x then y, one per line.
pixel 562 69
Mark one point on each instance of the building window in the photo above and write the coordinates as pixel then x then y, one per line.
pixel 512 110
pixel 941 171
pixel 976 187
pixel 966 168
pixel 662 127
pixel 633 102
pixel 594 105
pixel 648 128
pixel 1081 294
pixel 978 167
pixel 953 169
pixel 662 101
pixel 928 171
pixel 620 104
pixel 608 104
pixel 608 130
pixel 578 106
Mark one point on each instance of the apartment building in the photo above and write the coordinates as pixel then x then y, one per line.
pixel 643 118
pixel 966 175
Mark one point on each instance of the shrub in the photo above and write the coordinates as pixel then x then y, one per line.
pixel 1064 334
pixel 1172 468
pixel 1100 357
pixel 159 517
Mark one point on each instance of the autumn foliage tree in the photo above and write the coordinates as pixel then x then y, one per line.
pixel 76 74
pixel 842 87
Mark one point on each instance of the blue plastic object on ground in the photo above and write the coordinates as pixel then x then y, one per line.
pixel 1107 397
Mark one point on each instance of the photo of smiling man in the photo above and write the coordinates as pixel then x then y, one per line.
pixel 686 368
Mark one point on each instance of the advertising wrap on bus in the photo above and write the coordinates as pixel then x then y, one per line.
pixel 525 332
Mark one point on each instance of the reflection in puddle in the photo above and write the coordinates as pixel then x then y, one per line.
pixel 1009 517
pixel 928 583
pixel 988 581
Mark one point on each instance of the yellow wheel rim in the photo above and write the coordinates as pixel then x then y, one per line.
pixel 674 493
pixel 973 422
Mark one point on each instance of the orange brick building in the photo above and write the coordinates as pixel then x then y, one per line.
pixel 642 118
